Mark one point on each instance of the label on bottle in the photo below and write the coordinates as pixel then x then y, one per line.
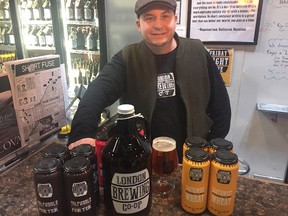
pixel 47 14
pixel 130 192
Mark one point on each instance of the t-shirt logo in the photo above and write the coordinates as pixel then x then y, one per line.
pixel 166 85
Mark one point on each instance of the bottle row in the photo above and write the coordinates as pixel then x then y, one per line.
pixel 7 35
pixel 83 71
pixel 4 10
pixel 84 38
pixel 81 10
pixel 39 36
pixel 35 9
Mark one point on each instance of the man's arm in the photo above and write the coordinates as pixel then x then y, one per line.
pixel 219 108
pixel 102 92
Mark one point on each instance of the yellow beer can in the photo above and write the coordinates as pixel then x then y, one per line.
pixel 222 182
pixel 195 179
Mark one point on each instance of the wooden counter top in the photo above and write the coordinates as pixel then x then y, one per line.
pixel 253 197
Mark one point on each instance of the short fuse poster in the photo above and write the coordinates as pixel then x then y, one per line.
pixel 223 58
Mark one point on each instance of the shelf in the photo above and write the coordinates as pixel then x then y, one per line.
pixel 273 108
pixel 90 23
pixel 7 48
pixel 84 52
pixel 5 22
pixel 39 48
pixel 37 22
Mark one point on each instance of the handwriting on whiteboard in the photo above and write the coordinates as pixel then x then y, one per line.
pixel 278 3
pixel 275 26
pixel 277 49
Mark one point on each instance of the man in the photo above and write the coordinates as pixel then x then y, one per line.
pixel 171 81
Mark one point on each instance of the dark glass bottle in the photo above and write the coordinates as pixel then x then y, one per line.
pixel 6 10
pixel 79 10
pixel 41 36
pixel 29 10
pixel 127 166
pixel 11 36
pixel 91 40
pixel 80 39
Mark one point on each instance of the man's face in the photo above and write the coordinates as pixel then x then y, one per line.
pixel 157 27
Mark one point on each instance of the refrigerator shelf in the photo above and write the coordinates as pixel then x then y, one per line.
pixel 37 22
pixel 7 47
pixel 83 23
pixel 84 52
pixel 39 48
pixel 5 22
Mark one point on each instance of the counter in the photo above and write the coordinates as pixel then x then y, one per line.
pixel 253 197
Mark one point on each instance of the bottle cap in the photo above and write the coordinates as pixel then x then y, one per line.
pixel 125 109
pixel 196 154
pixel 47 165
pixel 225 157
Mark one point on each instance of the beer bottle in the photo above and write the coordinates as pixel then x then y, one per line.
pixel 46 10
pixel 6 10
pixel 2 35
pixel 127 166
pixel 5 35
pixel 37 10
pixel 49 36
pixel 29 10
pixel 79 10
pixel 41 36
pixel 88 11
pixel 1 10
pixel 70 11
pixel 80 39
pixel 11 36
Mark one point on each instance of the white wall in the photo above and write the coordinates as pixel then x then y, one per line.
pixel 262 142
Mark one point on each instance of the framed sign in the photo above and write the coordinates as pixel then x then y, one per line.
pixel 224 22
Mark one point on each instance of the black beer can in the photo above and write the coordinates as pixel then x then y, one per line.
pixel 87 151
pixel 58 151
pixel 49 187
pixel 79 187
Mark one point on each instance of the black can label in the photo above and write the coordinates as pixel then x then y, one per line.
pixel 223 177
pixel 196 174
pixel 130 192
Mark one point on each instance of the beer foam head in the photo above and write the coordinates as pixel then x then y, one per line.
pixel 164 144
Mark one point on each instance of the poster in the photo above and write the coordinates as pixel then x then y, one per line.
pixel 229 21
pixel 223 58
pixel 38 97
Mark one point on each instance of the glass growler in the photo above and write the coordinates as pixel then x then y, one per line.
pixel 195 179
pixel 222 183
pixel 127 167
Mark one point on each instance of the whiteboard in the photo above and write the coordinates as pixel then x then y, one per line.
pixel 261 140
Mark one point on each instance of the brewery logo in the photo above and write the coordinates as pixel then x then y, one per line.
pixel 223 177
pixel 196 174
pixel 130 192
pixel 45 190
pixel 166 86
pixel 80 189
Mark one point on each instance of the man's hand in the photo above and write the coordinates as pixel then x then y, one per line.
pixel 89 141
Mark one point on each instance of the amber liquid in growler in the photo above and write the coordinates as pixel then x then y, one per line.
pixel 127 166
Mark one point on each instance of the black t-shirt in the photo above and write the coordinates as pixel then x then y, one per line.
pixel 169 116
